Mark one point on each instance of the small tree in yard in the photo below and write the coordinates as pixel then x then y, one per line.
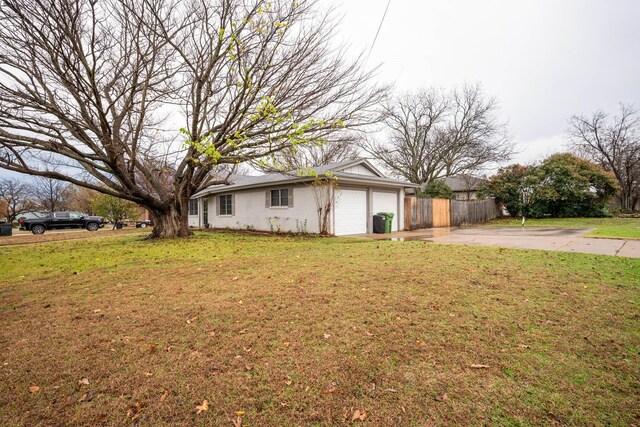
pixel 141 100
pixel 323 190
pixel 114 208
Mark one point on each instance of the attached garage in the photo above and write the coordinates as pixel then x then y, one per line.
pixel 386 201
pixel 350 215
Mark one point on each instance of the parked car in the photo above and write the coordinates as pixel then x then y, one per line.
pixel 58 220
pixel 144 224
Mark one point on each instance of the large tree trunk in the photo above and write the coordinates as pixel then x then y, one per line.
pixel 172 222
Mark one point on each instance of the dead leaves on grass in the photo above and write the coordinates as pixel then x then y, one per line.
pixel 87 397
pixel 34 389
pixel 442 397
pixel 479 366
pixel 204 407
pixel 134 411
pixel 237 422
pixel 359 415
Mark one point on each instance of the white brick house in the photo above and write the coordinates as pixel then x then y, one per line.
pixel 285 202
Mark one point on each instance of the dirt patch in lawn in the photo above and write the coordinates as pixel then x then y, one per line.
pixel 286 331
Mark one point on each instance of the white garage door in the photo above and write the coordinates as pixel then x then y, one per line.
pixel 386 202
pixel 351 212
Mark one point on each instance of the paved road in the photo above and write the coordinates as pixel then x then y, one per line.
pixel 545 238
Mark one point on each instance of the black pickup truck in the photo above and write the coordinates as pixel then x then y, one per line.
pixel 57 220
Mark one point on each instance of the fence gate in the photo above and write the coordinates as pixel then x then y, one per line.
pixel 441 213
pixel 426 213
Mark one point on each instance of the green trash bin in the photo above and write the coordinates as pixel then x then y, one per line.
pixel 388 220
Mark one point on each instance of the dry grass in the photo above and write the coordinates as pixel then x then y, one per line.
pixel 307 331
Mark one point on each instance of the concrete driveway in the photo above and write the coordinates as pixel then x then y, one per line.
pixel 544 238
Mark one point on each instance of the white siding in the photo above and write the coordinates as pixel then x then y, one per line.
pixel 359 170
pixel 250 212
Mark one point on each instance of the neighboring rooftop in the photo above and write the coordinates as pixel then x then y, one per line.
pixel 463 182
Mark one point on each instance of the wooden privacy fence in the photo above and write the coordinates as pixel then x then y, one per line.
pixel 428 213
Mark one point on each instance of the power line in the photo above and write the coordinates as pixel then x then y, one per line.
pixel 379 28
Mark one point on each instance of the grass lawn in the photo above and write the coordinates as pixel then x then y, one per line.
pixel 604 227
pixel 275 331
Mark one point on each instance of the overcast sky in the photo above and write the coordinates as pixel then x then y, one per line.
pixel 543 59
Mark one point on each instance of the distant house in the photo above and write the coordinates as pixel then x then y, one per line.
pixel 285 201
pixel 464 187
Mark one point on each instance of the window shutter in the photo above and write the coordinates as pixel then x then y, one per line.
pixel 217 205
pixel 267 199
pixel 233 204
pixel 290 197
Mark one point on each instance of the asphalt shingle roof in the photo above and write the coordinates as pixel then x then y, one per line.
pixel 238 182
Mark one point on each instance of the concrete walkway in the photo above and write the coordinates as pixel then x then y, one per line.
pixel 543 238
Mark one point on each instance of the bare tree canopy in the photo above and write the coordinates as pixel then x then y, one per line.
pixel 614 143
pixel 435 133
pixel 16 198
pixel 81 199
pixel 94 92
pixel 302 157
pixel 51 195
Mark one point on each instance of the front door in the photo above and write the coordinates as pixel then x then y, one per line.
pixel 205 212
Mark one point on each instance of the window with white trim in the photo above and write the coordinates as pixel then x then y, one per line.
pixel 225 204
pixel 280 197
pixel 193 207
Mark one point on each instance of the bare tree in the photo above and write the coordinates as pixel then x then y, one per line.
pixel 81 199
pixel 614 143
pixel 433 133
pixel 93 92
pixel 306 156
pixel 15 196
pixel 323 189
pixel 51 195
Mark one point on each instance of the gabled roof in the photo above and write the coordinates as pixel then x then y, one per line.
pixel 243 182
pixel 337 167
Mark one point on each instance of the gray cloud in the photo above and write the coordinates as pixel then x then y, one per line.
pixel 544 59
